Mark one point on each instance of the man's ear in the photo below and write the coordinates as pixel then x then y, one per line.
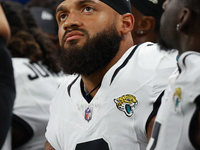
pixel 146 24
pixel 185 18
pixel 127 23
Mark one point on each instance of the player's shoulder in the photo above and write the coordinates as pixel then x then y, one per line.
pixel 150 56
pixel 189 65
pixel 153 50
pixel 189 60
pixel 19 65
pixel 20 61
pixel 189 69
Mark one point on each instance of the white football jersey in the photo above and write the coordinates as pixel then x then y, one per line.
pixel 35 88
pixel 116 117
pixel 171 128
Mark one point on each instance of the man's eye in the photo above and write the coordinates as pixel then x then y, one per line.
pixel 88 9
pixel 63 17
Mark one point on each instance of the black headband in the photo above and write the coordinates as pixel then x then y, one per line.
pixel 121 6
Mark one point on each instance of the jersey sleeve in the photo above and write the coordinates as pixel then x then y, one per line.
pixel 156 106
pixel 163 65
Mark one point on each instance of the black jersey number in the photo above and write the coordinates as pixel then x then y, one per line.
pixel 99 144
pixel 154 136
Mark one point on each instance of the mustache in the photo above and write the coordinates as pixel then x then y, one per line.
pixel 75 29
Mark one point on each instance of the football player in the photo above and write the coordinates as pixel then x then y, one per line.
pixel 107 101
pixel 177 124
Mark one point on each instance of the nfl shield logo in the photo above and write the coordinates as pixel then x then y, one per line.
pixel 88 114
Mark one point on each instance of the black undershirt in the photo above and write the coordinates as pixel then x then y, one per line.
pixel 88 97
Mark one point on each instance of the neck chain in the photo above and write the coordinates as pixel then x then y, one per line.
pixel 88 93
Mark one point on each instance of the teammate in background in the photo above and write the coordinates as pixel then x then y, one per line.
pixel 107 102
pixel 37 75
pixel 147 14
pixel 50 4
pixel 7 84
pixel 177 125
pixel 44 14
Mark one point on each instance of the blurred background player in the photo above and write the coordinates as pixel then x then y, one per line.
pixel 50 4
pixel 37 75
pixel 44 14
pixel 7 84
pixel 177 124
pixel 147 14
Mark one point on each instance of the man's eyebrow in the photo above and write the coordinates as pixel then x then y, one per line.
pixel 81 2
pixel 59 9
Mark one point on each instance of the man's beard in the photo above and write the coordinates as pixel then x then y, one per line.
pixel 94 55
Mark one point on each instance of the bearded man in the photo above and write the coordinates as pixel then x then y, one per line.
pixel 107 101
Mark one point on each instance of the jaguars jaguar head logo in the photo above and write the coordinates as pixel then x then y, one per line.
pixel 177 98
pixel 178 93
pixel 126 103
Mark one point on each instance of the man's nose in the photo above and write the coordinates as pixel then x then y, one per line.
pixel 72 21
